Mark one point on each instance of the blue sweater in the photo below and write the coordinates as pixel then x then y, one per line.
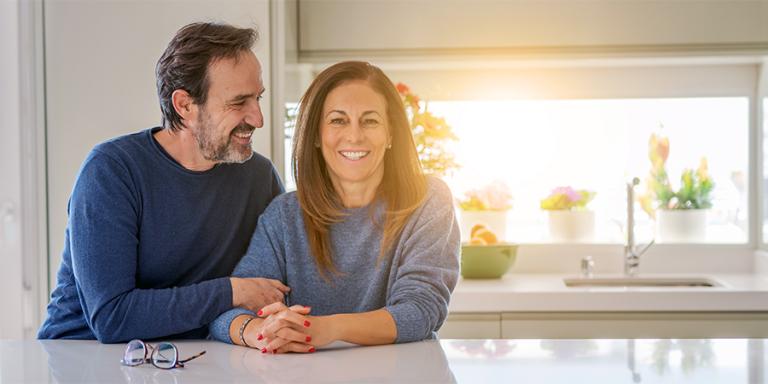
pixel 413 282
pixel 149 244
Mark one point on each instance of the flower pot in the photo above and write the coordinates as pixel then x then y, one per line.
pixel 495 221
pixel 570 226
pixel 681 225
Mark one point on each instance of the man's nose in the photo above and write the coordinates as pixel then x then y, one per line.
pixel 254 116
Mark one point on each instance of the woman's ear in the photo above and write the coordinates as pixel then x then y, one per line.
pixel 184 105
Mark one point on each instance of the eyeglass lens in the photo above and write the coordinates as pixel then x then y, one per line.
pixel 165 356
pixel 135 352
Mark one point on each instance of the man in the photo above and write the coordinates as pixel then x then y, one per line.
pixel 158 219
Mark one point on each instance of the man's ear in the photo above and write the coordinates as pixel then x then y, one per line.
pixel 184 105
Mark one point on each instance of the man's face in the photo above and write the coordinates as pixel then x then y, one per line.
pixel 228 118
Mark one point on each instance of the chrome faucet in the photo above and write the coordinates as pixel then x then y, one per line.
pixel 631 254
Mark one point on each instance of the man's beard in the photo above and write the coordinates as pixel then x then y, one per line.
pixel 222 150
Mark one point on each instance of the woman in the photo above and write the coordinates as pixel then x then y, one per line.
pixel 368 245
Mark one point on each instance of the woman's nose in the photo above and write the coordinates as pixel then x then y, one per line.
pixel 354 133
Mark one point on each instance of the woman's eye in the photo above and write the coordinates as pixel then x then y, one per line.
pixel 337 121
pixel 371 122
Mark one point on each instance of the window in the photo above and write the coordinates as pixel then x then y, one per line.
pixel 600 144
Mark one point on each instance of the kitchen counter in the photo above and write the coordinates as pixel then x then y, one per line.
pixel 548 293
pixel 481 361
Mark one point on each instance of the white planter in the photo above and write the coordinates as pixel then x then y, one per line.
pixel 496 221
pixel 681 225
pixel 570 226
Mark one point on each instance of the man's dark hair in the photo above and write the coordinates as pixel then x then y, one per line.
pixel 184 64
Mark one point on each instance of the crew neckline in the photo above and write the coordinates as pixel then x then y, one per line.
pixel 168 159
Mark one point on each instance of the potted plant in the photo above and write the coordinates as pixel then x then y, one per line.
pixel 569 218
pixel 430 133
pixel 487 206
pixel 680 215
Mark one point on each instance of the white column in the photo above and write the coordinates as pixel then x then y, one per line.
pixel 11 324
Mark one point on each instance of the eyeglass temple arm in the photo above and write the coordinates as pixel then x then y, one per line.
pixel 192 358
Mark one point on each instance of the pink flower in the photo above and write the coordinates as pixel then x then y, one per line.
pixel 568 192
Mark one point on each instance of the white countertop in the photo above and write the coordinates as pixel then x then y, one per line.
pixel 470 361
pixel 548 293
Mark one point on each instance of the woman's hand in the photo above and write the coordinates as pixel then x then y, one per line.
pixel 284 329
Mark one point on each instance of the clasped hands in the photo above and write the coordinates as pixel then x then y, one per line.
pixel 281 329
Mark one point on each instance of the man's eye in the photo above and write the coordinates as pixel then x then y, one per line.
pixel 259 97
pixel 239 104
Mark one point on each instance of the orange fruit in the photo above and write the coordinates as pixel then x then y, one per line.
pixel 486 235
pixel 475 228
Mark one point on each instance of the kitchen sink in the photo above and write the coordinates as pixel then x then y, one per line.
pixel 666 282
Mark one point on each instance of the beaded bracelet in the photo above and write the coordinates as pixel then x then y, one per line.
pixel 242 330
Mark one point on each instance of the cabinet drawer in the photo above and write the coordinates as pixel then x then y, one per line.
pixel 623 325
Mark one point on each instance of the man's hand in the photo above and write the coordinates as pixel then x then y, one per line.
pixel 253 293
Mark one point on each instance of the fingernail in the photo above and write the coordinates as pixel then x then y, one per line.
pixel 309 338
pixel 312 349
pixel 263 350
pixel 260 337
pixel 260 312
pixel 309 308
pixel 306 323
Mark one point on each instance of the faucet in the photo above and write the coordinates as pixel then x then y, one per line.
pixel 631 254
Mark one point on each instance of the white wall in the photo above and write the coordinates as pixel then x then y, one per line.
pixel 100 60
pixel 10 174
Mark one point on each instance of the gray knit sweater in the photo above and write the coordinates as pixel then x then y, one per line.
pixel 413 282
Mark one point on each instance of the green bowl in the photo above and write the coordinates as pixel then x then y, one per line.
pixel 487 261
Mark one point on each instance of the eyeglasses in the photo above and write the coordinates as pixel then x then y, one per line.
pixel 164 356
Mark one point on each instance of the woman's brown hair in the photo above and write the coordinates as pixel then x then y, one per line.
pixel 402 188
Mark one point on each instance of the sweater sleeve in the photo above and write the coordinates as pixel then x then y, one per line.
pixel 103 218
pixel 428 269
pixel 264 258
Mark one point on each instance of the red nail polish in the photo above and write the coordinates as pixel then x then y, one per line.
pixel 311 349
pixel 260 312
pixel 306 323
pixel 263 350
pixel 260 337
pixel 309 338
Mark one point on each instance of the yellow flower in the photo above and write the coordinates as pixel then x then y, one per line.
pixel 703 171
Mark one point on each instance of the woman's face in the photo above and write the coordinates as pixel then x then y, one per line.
pixel 354 134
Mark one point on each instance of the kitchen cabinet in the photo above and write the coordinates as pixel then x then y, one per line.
pixel 471 326
pixel 578 325
pixel 634 325
pixel 529 26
